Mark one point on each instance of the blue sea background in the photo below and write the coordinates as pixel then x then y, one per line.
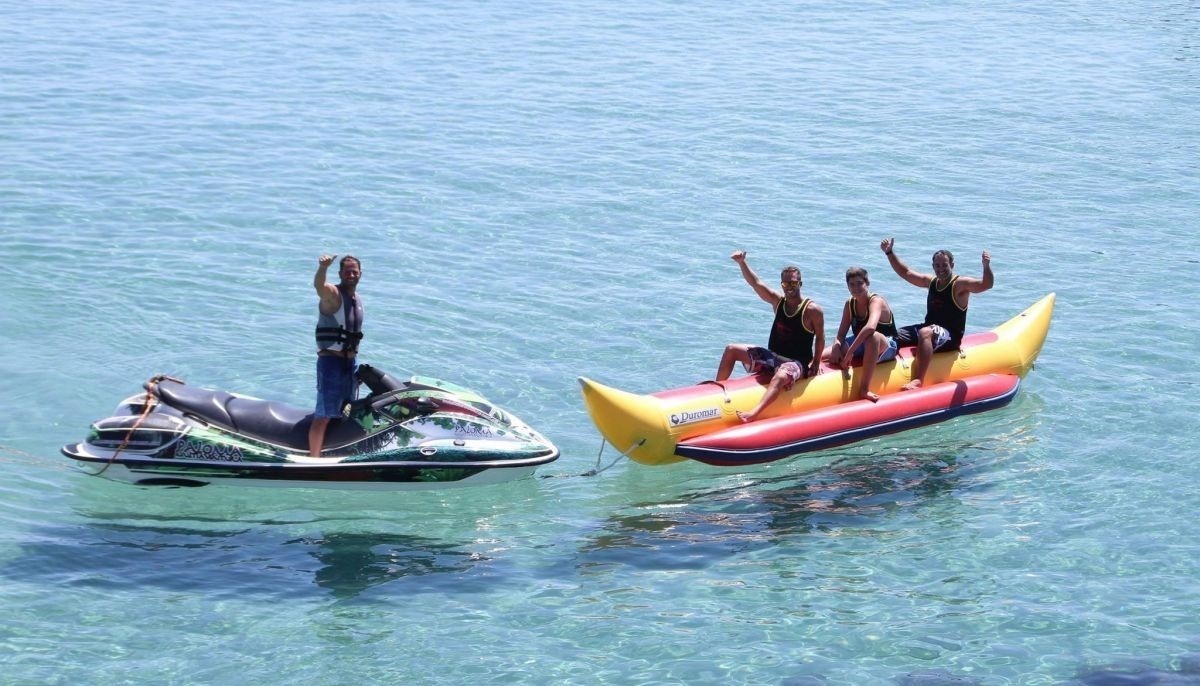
pixel 539 191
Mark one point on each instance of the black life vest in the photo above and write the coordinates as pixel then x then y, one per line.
pixel 342 330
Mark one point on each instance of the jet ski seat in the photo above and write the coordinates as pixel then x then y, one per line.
pixel 266 420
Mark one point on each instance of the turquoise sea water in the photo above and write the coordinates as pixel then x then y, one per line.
pixel 547 190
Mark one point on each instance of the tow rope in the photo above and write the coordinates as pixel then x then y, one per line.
pixel 596 470
pixel 151 402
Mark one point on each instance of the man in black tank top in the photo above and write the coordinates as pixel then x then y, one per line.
pixel 868 319
pixel 796 342
pixel 946 306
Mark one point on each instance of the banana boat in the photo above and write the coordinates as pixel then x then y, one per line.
pixel 700 422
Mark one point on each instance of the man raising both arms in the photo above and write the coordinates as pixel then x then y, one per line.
pixel 797 339
pixel 339 329
pixel 945 309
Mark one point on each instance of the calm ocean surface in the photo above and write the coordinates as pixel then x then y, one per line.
pixel 540 191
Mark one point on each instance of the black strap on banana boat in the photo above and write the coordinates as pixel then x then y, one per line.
pixel 718 384
pixel 151 402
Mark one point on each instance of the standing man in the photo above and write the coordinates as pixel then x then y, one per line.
pixel 872 326
pixel 339 329
pixel 945 308
pixel 797 339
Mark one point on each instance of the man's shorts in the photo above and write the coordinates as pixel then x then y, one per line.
pixel 909 335
pixel 888 353
pixel 765 361
pixel 335 385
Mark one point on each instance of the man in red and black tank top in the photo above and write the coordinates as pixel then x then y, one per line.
pixel 945 306
pixel 796 342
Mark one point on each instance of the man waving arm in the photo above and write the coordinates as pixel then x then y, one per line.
pixel 905 272
pixel 331 299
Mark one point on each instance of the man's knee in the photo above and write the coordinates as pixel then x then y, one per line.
pixel 783 379
pixel 729 356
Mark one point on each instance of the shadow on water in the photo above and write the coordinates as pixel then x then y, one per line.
pixel 258 560
pixel 1131 675
pixel 698 528
pixel 230 541
pixel 1186 672
pixel 351 563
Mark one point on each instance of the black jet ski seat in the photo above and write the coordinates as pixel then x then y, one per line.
pixel 266 420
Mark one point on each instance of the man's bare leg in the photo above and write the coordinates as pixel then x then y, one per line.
pixel 733 354
pixel 921 364
pixel 867 371
pixel 316 435
pixel 781 381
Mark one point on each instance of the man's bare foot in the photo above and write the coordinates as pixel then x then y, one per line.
pixel 871 396
pixel 746 417
pixel 911 385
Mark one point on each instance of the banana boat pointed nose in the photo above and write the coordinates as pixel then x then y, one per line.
pixel 634 424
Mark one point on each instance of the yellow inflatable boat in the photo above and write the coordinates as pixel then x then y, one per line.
pixel 677 424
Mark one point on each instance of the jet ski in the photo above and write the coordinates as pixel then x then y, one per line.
pixel 416 435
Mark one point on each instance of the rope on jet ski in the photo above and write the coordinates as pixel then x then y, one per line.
pixel 17 452
pixel 151 402
pixel 596 470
